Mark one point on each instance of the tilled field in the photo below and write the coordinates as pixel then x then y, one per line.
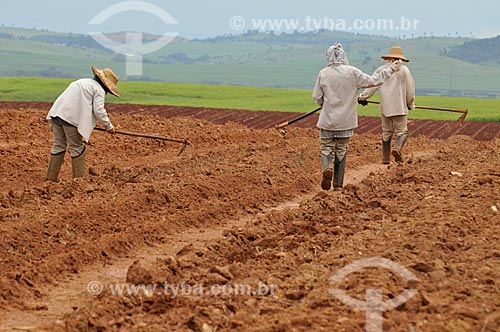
pixel 235 235
pixel 482 131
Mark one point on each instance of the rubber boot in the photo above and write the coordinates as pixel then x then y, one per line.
pixel 326 163
pixel 386 152
pixel 78 165
pixel 400 142
pixel 338 173
pixel 55 163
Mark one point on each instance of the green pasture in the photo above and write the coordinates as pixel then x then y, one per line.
pixel 236 97
pixel 261 60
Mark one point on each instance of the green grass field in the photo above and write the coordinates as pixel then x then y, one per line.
pixel 236 97
pixel 261 60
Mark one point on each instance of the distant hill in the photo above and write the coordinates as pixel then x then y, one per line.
pixel 482 51
pixel 440 65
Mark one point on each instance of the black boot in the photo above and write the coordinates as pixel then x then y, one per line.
pixel 338 173
pixel 400 142
pixel 386 151
pixel 326 163
pixel 55 163
pixel 78 165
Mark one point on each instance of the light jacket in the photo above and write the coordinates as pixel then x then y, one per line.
pixel 336 90
pixel 397 94
pixel 81 104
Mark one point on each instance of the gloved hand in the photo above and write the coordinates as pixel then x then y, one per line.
pixel 396 65
pixel 363 102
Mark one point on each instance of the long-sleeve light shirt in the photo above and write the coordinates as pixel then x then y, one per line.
pixel 81 104
pixel 397 94
pixel 336 90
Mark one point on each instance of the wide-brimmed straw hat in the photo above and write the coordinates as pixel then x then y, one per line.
pixel 395 52
pixel 108 78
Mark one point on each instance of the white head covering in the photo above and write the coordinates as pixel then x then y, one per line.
pixel 336 55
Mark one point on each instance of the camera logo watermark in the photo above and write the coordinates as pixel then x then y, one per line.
pixel 237 23
pixel 374 306
pixel 311 24
pixel 96 288
pixel 134 48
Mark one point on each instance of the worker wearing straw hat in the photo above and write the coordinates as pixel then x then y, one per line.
pixel 397 96
pixel 73 116
pixel 336 91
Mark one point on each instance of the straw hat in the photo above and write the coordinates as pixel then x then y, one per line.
pixel 108 78
pixel 395 52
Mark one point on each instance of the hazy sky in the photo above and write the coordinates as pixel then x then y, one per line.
pixel 199 19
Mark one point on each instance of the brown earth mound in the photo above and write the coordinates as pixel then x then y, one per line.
pixel 235 235
pixel 483 131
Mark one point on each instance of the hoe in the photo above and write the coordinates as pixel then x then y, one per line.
pixel 184 142
pixel 461 118
pixel 282 127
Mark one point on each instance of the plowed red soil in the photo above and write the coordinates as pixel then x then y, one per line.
pixel 236 235
pixel 482 131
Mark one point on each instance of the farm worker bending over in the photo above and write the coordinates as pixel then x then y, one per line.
pixel 397 96
pixel 336 91
pixel 73 117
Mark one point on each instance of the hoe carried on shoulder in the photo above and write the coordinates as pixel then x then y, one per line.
pixel 184 141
